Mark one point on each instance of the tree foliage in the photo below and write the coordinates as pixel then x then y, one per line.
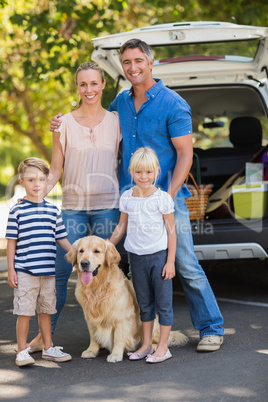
pixel 43 41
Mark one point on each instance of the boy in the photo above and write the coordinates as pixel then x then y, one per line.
pixel 34 226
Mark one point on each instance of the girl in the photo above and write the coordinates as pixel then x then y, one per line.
pixel 147 217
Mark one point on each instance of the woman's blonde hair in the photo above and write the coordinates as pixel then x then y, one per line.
pixel 144 159
pixel 33 162
pixel 88 65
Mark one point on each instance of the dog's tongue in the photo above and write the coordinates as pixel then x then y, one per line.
pixel 86 277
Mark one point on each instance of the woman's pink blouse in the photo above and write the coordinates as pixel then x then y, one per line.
pixel 90 170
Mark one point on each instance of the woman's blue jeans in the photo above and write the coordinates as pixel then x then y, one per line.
pixel 205 314
pixel 78 223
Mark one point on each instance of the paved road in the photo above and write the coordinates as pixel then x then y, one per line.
pixel 238 372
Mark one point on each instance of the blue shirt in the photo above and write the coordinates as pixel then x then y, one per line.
pixel 36 227
pixel 163 116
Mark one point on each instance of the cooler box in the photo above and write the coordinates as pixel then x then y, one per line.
pixel 250 200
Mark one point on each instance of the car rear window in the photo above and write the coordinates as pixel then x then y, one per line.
pixel 239 51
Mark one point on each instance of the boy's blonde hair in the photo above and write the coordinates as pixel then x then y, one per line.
pixel 33 162
pixel 144 159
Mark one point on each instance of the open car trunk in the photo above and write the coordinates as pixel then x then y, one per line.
pixel 221 70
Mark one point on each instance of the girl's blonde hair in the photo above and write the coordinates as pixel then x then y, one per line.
pixel 144 159
pixel 33 162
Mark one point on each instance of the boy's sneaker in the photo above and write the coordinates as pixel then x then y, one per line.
pixel 23 358
pixel 210 343
pixel 37 348
pixel 56 355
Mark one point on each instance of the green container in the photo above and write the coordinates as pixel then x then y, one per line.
pixel 250 200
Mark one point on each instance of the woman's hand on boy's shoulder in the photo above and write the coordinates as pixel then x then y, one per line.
pixel 19 200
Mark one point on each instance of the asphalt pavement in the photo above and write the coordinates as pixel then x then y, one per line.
pixel 237 372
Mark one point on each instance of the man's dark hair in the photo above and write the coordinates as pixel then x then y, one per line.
pixel 137 44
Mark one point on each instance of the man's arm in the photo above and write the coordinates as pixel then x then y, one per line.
pixel 184 149
pixel 56 122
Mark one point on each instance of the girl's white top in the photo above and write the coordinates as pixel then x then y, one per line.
pixel 146 231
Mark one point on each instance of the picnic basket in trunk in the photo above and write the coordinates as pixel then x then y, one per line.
pixel 197 203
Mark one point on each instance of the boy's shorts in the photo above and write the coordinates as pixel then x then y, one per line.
pixel 34 293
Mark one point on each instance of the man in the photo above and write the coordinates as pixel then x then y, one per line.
pixel 153 115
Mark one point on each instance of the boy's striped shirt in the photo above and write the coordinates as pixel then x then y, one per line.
pixel 35 226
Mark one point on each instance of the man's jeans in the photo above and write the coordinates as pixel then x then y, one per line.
pixel 204 310
pixel 77 223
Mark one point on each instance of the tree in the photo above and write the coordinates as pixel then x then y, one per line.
pixel 43 41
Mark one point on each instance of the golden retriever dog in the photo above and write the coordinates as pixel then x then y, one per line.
pixel 108 301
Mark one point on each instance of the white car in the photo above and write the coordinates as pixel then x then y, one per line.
pixel 221 70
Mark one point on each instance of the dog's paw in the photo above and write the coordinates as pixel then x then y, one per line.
pixel 88 354
pixel 114 358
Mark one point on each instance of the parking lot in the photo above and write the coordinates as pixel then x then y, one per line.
pixel 237 372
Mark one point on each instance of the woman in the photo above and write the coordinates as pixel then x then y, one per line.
pixel 86 147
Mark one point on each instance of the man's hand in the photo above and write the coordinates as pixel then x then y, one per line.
pixel 55 122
